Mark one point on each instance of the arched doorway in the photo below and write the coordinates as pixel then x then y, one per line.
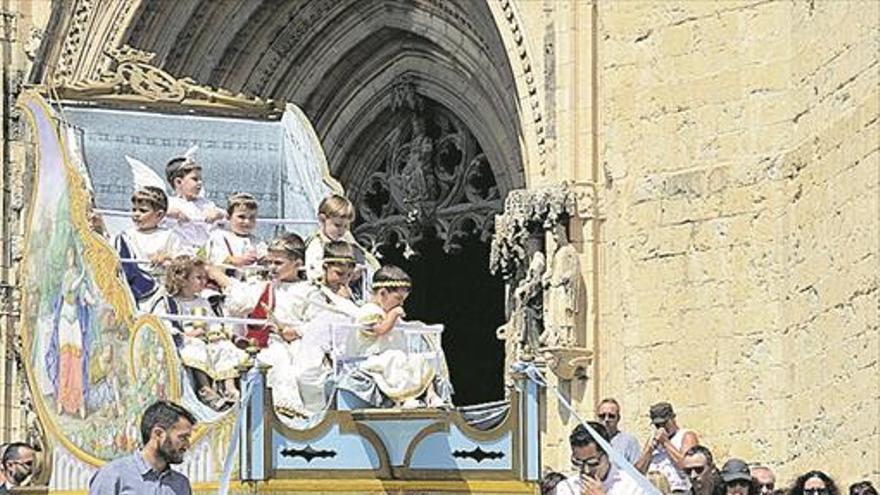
pixel 343 63
pixel 427 204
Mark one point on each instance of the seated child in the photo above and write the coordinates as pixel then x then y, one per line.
pixel 147 241
pixel 298 368
pixel 389 376
pixel 192 216
pixel 206 350
pixel 335 215
pixel 237 246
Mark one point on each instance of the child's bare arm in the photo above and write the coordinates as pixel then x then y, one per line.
pixel 217 275
pixel 177 214
pixel 214 215
pixel 388 321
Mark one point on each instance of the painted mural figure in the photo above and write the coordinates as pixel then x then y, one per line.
pixel 105 391
pixel 67 360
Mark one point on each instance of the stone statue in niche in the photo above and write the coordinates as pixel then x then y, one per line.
pixel 563 287
pixel 416 177
pixel 528 301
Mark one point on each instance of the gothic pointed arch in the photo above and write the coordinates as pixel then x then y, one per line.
pixel 415 101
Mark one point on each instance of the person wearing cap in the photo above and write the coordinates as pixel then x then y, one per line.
pixel 765 479
pixel 664 452
pixel 738 478
pixel 608 413
pixel 597 475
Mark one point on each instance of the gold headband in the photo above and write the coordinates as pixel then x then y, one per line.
pixel 392 284
pixel 340 259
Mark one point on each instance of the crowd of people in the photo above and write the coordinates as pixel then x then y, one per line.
pixel 182 265
pixel 673 460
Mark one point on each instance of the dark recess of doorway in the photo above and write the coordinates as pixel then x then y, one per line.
pixel 456 289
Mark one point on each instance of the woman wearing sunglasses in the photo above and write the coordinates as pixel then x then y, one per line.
pixel 814 483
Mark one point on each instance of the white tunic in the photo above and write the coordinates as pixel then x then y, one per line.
pixel 195 232
pixel 398 374
pixel 618 482
pixel 298 369
pixel 213 353
pixel 146 245
pixel 223 244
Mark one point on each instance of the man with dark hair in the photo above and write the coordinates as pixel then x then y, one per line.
pixel 18 465
pixel 165 431
pixel 664 451
pixel 597 475
pixel 608 413
pixel 699 467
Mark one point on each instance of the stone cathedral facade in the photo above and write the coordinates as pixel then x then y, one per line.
pixel 655 200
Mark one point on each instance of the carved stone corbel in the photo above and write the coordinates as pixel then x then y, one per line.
pixel 567 363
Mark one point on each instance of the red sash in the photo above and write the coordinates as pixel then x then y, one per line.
pixel 266 304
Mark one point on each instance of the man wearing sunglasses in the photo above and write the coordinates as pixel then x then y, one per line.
pixel 596 474
pixel 608 413
pixel 19 460
pixel 664 451
pixel 765 479
pixel 699 467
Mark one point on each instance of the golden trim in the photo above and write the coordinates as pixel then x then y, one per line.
pixel 372 485
pixel 362 485
pixel 26 97
pixel 421 435
pixel 392 284
pixel 132 82
pixel 96 253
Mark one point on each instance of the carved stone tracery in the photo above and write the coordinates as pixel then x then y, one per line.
pixel 431 177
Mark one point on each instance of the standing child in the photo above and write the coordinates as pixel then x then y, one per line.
pixel 193 215
pixel 298 371
pixel 335 215
pixel 389 375
pixel 146 241
pixel 237 246
pixel 205 349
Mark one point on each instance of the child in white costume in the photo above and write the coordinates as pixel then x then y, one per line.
pixel 389 376
pixel 205 349
pixel 291 344
pixel 146 241
pixel 335 215
pixel 237 246
pixel 190 215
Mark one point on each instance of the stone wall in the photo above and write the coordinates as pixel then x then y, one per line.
pixel 22 23
pixel 739 145
pixel 736 170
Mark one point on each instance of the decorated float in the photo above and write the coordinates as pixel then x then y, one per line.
pixel 93 362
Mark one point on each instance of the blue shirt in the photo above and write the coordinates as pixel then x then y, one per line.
pixel 132 475
pixel 627 445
